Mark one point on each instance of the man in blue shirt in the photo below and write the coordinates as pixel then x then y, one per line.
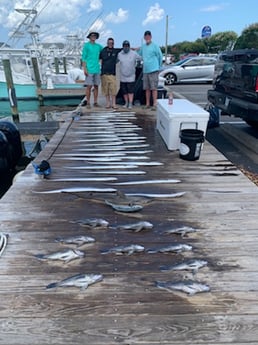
pixel 152 62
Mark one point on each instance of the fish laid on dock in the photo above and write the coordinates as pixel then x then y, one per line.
pixel 78 190
pixel 188 286
pixel 3 242
pixel 78 240
pixel 190 265
pixel 79 280
pixel 180 231
pixel 129 183
pixel 127 249
pixel 66 256
pixel 124 208
pixel 155 195
pixel 84 179
pixel 92 222
pixel 102 167
pixel 174 248
pixel 136 227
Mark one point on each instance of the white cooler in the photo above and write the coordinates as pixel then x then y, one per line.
pixel 182 114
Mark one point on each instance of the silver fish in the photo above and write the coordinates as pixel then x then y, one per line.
pixel 92 222
pixel 127 249
pixel 78 190
pixel 79 280
pixel 101 167
pixel 120 172
pixel 101 149
pixel 174 248
pixel 91 159
pixel 188 286
pixel 189 265
pixel 108 154
pixel 136 227
pixel 78 240
pixel 66 256
pixel 3 242
pixel 180 231
pixel 128 183
pixel 84 179
pixel 139 163
pixel 124 208
pixel 153 195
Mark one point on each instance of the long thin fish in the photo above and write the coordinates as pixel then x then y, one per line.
pixel 153 195
pixel 129 183
pixel 119 172
pixel 110 154
pixel 97 159
pixel 78 190
pixel 101 167
pixel 83 179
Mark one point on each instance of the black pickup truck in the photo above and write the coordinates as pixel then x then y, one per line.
pixel 235 84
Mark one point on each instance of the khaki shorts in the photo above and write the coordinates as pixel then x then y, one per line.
pixel 151 81
pixel 109 85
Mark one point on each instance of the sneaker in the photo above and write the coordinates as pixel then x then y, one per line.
pixel 146 107
pixel 88 106
pixel 154 108
pixel 125 106
pixel 130 106
pixel 96 105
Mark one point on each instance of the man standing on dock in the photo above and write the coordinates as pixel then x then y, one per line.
pixel 91 65
pixel 109 60
pixel 152 62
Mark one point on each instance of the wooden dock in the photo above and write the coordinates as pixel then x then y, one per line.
pixel 126 307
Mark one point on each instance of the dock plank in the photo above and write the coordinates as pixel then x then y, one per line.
pixel 126 307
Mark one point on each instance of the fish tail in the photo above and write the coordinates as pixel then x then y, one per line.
pixel 164 268
pixel 40 256
pixel 52 285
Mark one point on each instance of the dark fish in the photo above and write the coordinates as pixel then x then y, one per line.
pixel 92 222
pixel 181 231
pixel 66 256
pixel 79 240
pixel 79 280
pixel 127 249
pixel 188 286
pixel 174 248
pixel 136 227
pixel 124 208
pixel 189 265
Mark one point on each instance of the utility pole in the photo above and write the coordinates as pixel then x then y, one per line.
pixel 166 43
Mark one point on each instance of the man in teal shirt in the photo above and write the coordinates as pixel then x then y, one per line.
pixel 91 66
pixel 152 62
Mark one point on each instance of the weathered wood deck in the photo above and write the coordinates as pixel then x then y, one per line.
pixel 127 307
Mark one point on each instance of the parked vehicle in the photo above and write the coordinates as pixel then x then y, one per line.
pixel 235 84
pixel 191 69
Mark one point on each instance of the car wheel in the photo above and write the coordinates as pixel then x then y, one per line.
pixel 170 79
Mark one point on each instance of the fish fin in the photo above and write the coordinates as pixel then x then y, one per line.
pixel 51 285
pixel 84 287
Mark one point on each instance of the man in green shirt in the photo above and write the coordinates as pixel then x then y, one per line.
pixel 91 66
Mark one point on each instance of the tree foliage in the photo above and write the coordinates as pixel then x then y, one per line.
pixel 248 38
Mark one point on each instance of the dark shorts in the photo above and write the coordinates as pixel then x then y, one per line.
pixel 127 87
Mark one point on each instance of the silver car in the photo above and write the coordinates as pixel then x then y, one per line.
pixel 191 69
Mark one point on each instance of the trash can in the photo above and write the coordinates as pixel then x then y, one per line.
pixel 191 141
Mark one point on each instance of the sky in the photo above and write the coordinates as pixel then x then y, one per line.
pixel 128 19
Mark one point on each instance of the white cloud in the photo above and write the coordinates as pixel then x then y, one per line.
pixel 155 14
pixel 119 17
pixel 94 5
pixel 214 8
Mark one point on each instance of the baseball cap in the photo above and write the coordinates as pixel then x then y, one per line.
pixel 147 33
pixel 126 43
